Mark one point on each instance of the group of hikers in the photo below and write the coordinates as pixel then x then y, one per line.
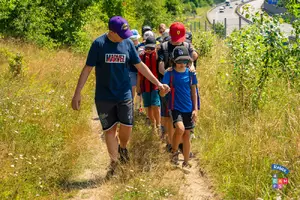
pixel 159 70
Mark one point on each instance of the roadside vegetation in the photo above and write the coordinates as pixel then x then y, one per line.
pixel 249 118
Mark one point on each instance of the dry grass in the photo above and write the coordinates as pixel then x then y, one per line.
pixel 39 131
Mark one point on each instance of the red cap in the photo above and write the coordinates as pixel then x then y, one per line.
pixel 177 32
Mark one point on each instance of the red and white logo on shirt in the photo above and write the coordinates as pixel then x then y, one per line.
pixel 115 58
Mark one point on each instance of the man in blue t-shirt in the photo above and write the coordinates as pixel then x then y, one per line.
pixel 111 54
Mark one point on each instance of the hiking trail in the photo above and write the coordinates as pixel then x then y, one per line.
pixel 91 184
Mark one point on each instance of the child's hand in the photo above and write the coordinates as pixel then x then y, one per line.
pixel 164 88
pixel 194 116
pixel 138 89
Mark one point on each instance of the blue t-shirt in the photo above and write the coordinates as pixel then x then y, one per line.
pixel 112 62
pixel 182 85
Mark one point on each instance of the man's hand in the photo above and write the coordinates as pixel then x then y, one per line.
pixel 194 116
pixel 76 101
pixel 164 88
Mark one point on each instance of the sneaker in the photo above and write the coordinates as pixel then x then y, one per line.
pixel 186 167
pixel 169 148
pixel 124 157
pixel 180 147
pixel 111 169
pixel 174 158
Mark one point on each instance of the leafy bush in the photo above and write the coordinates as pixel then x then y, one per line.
pixel 261 54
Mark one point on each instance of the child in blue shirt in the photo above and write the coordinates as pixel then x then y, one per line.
pixel 182 102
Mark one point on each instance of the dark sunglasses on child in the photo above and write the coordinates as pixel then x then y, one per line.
pixel 182 61
pixel 149 48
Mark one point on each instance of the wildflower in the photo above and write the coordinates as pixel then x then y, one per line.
pixel 12 166
pixel 57 125
pixel 10 154
pixel 16 131
pixel 29 162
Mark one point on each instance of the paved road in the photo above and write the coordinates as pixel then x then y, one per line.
pixel 230 15
pixel 255 6
pixel 233 18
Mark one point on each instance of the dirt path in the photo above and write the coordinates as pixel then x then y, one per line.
pixel 196 186
pixel 92 186
pixel 90 183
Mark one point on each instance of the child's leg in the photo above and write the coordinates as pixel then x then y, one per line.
pixel 151 115
pixel 171 129
pixel 155 106
pixel 186 145
pixel 147 103
pixel 179 131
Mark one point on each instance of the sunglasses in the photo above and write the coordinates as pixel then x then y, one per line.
pixel 182 61
pixel 150 49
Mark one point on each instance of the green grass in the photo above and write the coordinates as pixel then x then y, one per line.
pixel 38 129
pixel 149 175
pixel 237 147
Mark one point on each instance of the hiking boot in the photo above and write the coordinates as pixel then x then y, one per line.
pixel 186 167
pixel 124 157
pixel 180 147
pixel 111 169
pixel 174 158
pixel 169 148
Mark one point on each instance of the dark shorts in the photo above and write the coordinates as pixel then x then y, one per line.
pixel 186 118
pixel 164 107
pixel 111 113
pixel 151 98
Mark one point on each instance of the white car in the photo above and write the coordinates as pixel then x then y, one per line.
pixel 221 9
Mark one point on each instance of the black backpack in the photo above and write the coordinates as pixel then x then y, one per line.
pixel 164 47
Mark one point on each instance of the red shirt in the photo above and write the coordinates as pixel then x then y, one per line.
pixel 150 60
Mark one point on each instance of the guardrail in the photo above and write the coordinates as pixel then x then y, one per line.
pixel 237 11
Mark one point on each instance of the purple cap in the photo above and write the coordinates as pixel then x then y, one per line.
pixel 120 26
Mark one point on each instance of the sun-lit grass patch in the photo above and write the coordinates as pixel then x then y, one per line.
pixel 38 129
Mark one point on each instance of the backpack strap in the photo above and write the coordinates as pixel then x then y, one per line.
pixel 186 45
pixel 172 91
pixel 164 47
